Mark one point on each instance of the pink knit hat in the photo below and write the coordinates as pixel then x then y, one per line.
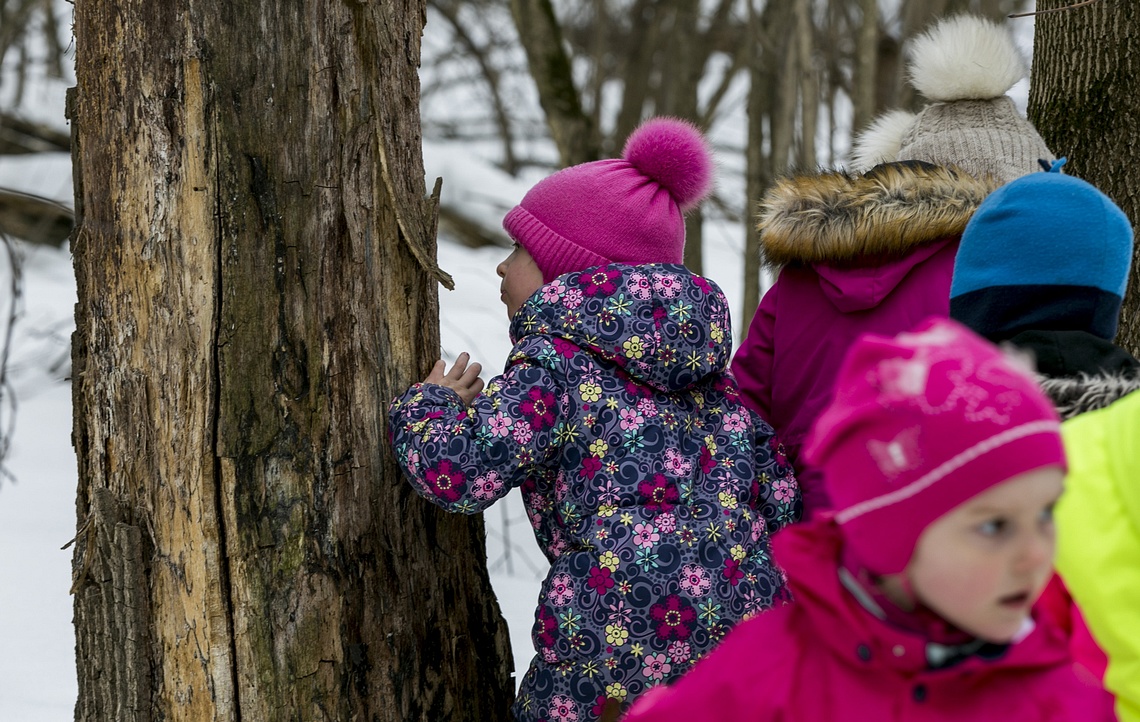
pixel 919 424
pixel 625 210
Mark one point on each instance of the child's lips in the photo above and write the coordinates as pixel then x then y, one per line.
pixel 1016 600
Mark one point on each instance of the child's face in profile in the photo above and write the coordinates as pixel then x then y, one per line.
pixel 983 565
pixel 521 278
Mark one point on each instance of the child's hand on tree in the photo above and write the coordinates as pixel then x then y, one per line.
pixel 462 379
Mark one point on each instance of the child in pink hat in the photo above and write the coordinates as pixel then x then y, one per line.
pixel 650 487
pixel 915 597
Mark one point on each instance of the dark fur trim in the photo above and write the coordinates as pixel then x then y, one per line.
pixel 1077 395
pixel 840 218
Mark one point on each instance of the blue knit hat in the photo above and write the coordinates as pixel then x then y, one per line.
pixel 1044 252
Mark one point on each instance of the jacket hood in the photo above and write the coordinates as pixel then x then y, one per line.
pixel 858 288
pixel 841 219
pixel 810 553
pixel 663 325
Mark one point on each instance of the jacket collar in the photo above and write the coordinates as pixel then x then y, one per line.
pixel 1080 394
pixel 1080 372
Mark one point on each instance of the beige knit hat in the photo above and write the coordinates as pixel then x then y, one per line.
pixel 965 64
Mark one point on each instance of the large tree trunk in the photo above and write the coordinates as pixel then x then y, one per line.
pixel 254 257
pixel 1085 101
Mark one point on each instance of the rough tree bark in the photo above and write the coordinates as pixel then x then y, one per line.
pixel 254 255
pixel 1084 99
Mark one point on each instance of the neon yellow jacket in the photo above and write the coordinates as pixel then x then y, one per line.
pixel 1098 539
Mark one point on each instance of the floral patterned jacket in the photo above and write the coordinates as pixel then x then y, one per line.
pixel 651 488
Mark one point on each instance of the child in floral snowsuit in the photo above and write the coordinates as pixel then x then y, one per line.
pixel 651 488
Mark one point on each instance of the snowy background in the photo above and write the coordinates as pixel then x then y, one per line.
pixel 37 500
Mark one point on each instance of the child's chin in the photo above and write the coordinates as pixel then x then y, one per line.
pixel 1003 633
pixel 1000 638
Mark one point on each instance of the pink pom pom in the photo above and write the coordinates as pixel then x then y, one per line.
pixel 676 155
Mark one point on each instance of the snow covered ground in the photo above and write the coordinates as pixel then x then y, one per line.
pixel 37 508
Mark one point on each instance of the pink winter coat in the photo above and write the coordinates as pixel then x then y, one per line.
pixel 865 254
pixel 825 658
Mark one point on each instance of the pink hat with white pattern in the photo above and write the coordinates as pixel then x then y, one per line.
pixel 919 424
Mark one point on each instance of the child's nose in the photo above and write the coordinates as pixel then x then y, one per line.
pixel 1038 551
pixel 501 269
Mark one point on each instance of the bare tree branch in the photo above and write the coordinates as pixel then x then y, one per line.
pixel 34 219
pixel 450 12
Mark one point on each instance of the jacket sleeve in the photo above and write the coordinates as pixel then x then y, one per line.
pixel 752 364
pixel 776 491
pixel 464 458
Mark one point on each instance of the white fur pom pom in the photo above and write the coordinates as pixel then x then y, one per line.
pixel 965 58
pixel 881 140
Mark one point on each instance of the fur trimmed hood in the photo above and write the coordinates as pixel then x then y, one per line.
pixel 1078 371
pixel 1077 395
pixel 844 219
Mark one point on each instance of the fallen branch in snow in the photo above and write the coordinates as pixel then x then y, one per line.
pixel 34 218
pixel 468 231
pixel 18 136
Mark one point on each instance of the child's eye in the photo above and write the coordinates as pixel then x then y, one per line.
pixel 1047 514
pixel 993 527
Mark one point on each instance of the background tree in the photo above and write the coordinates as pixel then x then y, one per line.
pixel 254 259
pixel 22 24
pixel 805 73
pixel 583 73
pixel 1085 101
pixel 541 36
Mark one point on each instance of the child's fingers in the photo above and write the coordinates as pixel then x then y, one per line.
pixel 471 375
pixel 462 377
pixel 437 373
pixel 476 387
pixel 460 367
